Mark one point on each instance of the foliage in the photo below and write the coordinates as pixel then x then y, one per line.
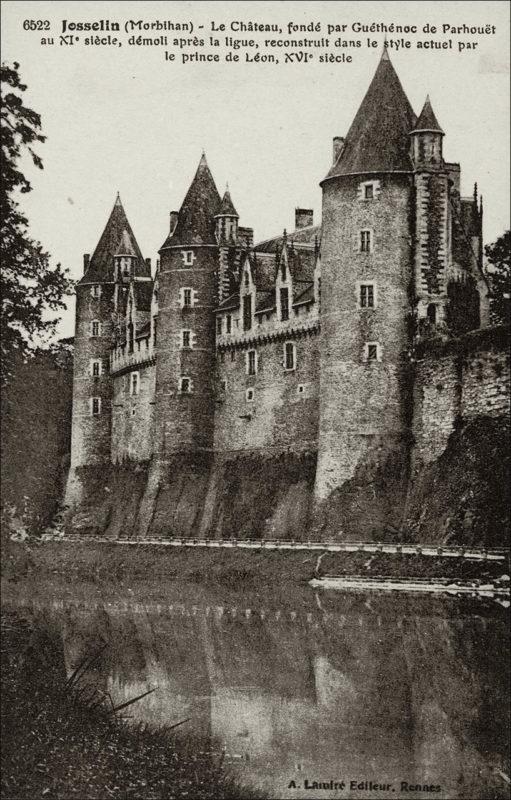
pixel 36 432
pixel 30 285
pixel 498 256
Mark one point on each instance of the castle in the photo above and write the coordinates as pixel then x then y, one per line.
pixel 304 342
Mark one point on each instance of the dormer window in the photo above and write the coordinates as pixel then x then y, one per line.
pixel 219 326
pixel 247 280
pixel 368 191
pixel 228 323
pixel 247 312
pixel 284 304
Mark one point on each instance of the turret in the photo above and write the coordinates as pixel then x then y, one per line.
pixel 432 221
pixel 226 220
pixel 94 331
pixel 125 259
pixel 187 295
pixel 426 138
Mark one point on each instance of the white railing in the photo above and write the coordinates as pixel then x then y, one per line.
pixel 444 551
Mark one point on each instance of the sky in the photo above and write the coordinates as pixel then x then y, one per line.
pixel 125 119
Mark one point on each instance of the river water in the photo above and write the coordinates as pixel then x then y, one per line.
pixel 300 687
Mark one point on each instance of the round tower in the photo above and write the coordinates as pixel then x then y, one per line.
pixel 186 323
pixel 94 329
pixel 366 278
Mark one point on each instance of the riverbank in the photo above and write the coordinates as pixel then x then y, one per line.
pixel 106 562
pixel 58 741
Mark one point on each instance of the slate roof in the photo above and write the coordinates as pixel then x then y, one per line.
pixel 427 120
pixel 230 302
pixel 143 291
pixel 302 236
pixel 306 295
pixel 227 207
pixel 101 265
pixel 377 140
pixel 264 269
pixel 265 301
pixel 195 222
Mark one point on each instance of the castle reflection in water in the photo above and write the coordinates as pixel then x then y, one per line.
pixel 317 687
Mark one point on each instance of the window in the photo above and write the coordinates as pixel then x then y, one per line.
pixel 233 355
pixel 249 395
pixel 431 312
pixel 186 339
pixel 187 298
pixel 300 388
pixel 95 328
pixel 284 304
pixel 228 323
pixel 223 385
pixel 365 241
pixel 95 368
pixel 369 190
pixel 251 362
pixel 247 280
pixel 185 385
pixel 188 257
pixel 367 295
pixel 219 326
pixel 95 406
pixel 96 291
pixel 134 383
pixel 289 355
pixel 372 351
pixel 247 312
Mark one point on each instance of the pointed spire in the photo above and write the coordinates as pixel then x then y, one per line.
pixel 427 120
pixel 101 266
pixel 385 52
pixel 227 206
pixel 195 223
pixel 377 140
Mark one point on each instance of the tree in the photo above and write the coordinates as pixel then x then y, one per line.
pixel 30 285
pixel 498 256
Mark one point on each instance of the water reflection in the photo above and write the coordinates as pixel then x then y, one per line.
pixel 302 688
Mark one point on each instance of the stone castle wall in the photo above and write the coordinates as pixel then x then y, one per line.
pixel 455 382
pixel 284 411
pixel 133 416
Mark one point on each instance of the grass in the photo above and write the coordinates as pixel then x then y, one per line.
pixel 63 739
pixel 108 562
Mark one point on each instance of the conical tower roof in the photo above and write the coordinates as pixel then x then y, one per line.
pixel 427 120
pixel 227 206
pixel 125 247
pixel 195 222
pixel 101 266
pixel 377 140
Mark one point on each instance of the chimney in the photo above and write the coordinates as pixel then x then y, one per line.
pixel 303 217
pixel 148 264
pixel 173 221
pixel 86 258
pixel 338 145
